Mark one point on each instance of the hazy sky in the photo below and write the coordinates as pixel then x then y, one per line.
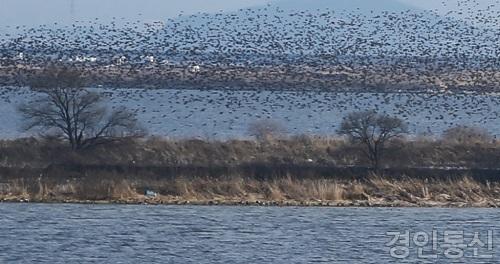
pixel 14 12
pixel 33 12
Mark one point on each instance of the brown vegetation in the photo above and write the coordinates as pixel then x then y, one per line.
pixel 298 170
pixel 371 191
pixel 297 150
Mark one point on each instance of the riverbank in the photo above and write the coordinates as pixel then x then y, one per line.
pixel 354 204
pixel 301 171
pixel 370 191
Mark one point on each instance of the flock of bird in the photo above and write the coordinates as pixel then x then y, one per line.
pixel 223 114
pixel 273 47
pixel 434 70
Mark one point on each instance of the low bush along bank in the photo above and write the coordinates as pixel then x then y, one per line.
pixel 299 170
pixel 36 153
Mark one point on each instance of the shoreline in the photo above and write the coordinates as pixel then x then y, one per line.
pixel 305 204
pixel 286 172
pixel 213 77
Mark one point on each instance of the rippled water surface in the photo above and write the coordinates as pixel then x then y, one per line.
pixel 227 114
pixel 56 233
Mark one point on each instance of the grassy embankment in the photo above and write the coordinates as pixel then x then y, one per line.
pixel 293 171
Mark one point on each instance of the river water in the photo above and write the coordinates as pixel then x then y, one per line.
pixel 61 233
pixel 218 114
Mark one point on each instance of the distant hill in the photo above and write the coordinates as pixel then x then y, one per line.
pixel 363 6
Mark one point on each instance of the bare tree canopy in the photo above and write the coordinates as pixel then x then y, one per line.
pixel 66 110
pixel 467 135
pixel 266 129
pixel 373 131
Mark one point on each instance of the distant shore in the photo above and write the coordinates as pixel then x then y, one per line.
pixel 261 78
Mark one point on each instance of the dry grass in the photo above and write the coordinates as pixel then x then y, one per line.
pixel 301 169
pixel 375 190
pixel 155 151
pixel 16 188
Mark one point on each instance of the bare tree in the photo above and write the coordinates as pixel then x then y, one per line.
pixel 373 131
pixel 66 110
pixel 265 129
pixel 467 135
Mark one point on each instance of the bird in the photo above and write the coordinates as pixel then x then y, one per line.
pixel 434 70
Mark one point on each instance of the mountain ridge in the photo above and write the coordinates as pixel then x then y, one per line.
pixel 363 6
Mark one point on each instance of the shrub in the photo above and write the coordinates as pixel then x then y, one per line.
pixel 467 135
pixel 266 129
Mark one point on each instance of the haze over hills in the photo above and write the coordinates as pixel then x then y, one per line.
pixel 321 26
pixel 348 5
pixel 34 12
